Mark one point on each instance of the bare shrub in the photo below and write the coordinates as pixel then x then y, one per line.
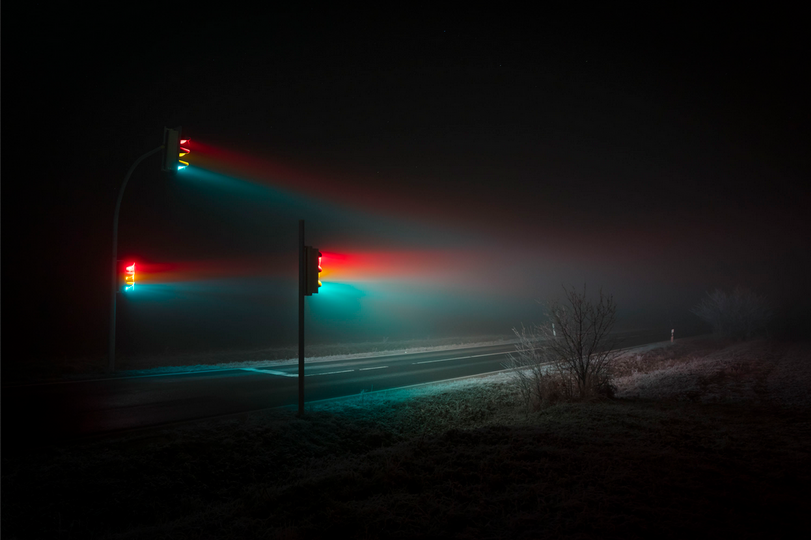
pixel 536 381
pixel 568 357
pixel 741 315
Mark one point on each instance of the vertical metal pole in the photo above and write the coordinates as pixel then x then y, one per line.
pixel 301 287
pixel 114 271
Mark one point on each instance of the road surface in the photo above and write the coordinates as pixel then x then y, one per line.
pixel 47 412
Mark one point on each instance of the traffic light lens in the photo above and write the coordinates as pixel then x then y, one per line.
pixel 129 277
pixel 183 152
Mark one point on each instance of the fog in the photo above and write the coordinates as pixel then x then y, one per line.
pixel 454 176
pixel 218 261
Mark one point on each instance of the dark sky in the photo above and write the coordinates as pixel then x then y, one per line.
pixel 454 169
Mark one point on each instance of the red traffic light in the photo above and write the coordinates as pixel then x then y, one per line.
pixel 129 277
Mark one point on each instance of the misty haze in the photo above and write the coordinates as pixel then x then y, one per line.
pixel 394 274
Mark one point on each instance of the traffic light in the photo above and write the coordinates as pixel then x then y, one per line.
pixel 129 277
pixel 313 266
pixel 174 149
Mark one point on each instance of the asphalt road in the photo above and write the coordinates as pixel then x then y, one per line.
pixel 50 412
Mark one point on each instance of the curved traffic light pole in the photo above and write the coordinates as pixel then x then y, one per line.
pixel 114 269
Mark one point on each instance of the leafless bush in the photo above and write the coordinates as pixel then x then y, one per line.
pixel 536 380
pixel 568 357
pixel 741 315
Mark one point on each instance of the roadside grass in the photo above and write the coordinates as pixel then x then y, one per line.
pixel 725 455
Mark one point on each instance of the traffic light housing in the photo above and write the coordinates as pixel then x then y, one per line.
pixel 313 269
pixel 174 150
pixel 129 277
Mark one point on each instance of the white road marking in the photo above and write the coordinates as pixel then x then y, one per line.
pixel 283 374
pixel 270 372
pixel 458 358
pixel 328 373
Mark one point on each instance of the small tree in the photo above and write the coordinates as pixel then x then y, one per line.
pixel 570 356
pixel 739 316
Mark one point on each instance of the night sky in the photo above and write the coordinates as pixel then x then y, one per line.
pixel 454 169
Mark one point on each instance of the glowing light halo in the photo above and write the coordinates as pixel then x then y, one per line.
pixel 313 183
